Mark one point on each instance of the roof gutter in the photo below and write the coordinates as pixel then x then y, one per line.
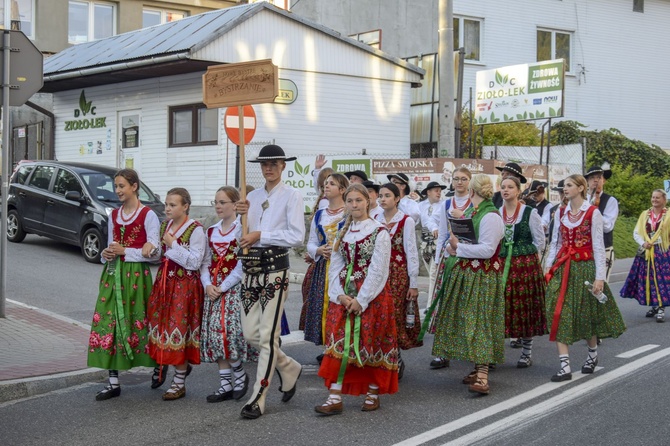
pixel 117 66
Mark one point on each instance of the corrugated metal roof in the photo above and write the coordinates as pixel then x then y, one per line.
pixel 140 54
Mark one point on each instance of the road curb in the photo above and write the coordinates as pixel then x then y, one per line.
pixel 14 389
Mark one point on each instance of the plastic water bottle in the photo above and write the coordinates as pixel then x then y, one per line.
pixel 602 297
pixel 409 315
pixel 111 267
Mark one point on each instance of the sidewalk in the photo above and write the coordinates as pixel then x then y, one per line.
pixel 41 351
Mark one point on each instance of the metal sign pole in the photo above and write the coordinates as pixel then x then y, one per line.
pixel 6 136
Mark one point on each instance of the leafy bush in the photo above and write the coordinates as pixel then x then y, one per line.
pixel 624 244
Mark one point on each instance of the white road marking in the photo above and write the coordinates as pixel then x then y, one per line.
pixel 535 412
pixel 637 351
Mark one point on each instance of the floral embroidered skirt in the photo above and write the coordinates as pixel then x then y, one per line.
pixel 306 284
pixel 399 284
pixel 470 325
pixel 659 282
pixel 174 319
pixel 582 316
pixel 221 329
pixel 524 298
pixel 314 306
pixel 378 348
pixel 119 337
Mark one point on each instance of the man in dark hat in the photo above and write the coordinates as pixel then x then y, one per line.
pixel 538 199
pixel 509 169
pixel 276 223
pixel 373 191
pixel 356 176
pixel 608 207
pixel 406 204
pixel 430 224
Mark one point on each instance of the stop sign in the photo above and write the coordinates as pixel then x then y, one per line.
pixel 231 122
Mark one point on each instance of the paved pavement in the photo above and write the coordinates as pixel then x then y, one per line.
pixel 41 351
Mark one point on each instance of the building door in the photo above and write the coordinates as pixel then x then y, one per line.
pixel 27 143
pixel 129 141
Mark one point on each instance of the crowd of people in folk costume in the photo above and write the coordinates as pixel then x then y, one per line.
pixel 219 292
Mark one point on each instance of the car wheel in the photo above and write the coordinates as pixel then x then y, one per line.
pixel 91 245
pixel 15 232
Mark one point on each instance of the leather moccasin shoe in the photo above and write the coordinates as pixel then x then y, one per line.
pixel 107 393
pixel 171 396
pixel 560 378
pixel 251 411
pixel 219 397
pixel 330 409
pixel 479 387
pixel 439 363
pixel 157 379
pixel 470 379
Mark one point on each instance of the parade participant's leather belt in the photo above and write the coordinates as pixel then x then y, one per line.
pixel 264 260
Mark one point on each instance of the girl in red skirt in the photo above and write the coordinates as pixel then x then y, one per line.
pixel 175 304
pixel 361 342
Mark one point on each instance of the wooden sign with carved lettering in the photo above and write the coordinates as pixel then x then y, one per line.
pixel 243 83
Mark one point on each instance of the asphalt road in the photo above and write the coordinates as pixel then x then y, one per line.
pixel 623 403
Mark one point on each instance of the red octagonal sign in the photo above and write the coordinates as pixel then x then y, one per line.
pixel 231 122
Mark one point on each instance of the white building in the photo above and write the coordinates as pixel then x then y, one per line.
pixel 136 99
pixel 614 48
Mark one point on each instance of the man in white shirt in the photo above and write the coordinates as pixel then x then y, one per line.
pixel 608 207
pixel 276 223
pixel 430 224
pixel 406 204
pixel 373 191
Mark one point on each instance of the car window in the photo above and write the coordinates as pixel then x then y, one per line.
pixel 145 194
pixel 66 182
pixel 101 185
pixel 42 177
pixel 22 174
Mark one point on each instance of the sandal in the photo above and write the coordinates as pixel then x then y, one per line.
pixel 652 312
pixel 481 384
pixel 371 403
pixel 471 378
pixel 333 405
pixel 524 361
pixel 590 365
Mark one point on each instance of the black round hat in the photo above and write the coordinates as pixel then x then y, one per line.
pixel 272 152
pixel 431 185
pixel 359 173
pixel 401 176
pixel 607 173
pixel 515 169
pixel 372 185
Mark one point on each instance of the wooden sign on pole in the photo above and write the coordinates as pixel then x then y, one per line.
pixel 240 84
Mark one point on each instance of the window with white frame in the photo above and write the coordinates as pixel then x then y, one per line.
pixel 22 16
pixel 372 38
pixel 553 44
pixel 468 34
pixel 90 20
pixel 151 17
pixel 193 125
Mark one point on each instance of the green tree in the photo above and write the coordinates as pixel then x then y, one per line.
pixel 504 134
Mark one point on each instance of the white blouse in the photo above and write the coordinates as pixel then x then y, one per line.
pixel 378 269
pixel 535 223
pixel 221 243
pixel 443 231
pixel 188 255
pixel 313 242
pixel 410 207
pixel 610 214
pixel 408 244
pixel 152 227
pixel 491 231
pixel 375 212
pixel 596 238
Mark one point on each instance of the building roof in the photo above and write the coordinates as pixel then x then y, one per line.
pixel 164 50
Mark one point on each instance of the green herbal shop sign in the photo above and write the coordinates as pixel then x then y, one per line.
pixel 86 110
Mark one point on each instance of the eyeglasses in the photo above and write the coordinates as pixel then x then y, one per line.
pixel 221 202
pixel 460 180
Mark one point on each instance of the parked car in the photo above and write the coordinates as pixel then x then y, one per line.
pixel 68 202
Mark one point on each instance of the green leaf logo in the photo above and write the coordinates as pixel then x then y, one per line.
pixel 500 80
pixel 84 106
pixel 300 170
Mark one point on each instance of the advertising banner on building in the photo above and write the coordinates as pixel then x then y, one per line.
pixel 520 92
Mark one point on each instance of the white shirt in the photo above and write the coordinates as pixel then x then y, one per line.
pixel 411 208
pixel 596 238
pixel 190 255
pixel 535 223
pixel 152 227
pixel 610 214
pixel 491 231
pixel 408 244
pixel 221 243
pixel 374 212
pixel 443 231
pixel 282 223
pixel 313 243
pixel 430 220
pixel 378 269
